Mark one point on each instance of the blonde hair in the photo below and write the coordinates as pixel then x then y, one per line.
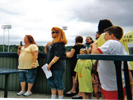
pixel 84 50
pixel 61 35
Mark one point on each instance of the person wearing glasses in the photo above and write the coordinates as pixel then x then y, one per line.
pixel 56 59
pixel 89 40
pixel 28 55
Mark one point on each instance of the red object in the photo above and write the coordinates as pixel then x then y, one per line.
pixel 112 94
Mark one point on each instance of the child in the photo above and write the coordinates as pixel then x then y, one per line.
pixel 83 73
pixel 106 69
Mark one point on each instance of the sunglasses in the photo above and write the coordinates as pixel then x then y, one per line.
pixel 53 32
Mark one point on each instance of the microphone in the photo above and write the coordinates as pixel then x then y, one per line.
pixel 21 43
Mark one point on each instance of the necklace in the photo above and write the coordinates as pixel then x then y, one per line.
pixel 80 75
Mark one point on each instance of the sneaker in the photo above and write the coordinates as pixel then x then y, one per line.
pixel 27 94
pixel 20 93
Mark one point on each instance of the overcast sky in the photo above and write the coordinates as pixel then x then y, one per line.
pixel 37 17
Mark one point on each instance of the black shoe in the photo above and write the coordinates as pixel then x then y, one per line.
pixel 69 93
pixel 100 94
pixel 77 97
pixel 94 95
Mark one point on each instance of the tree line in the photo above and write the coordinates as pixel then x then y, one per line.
pixel 14 48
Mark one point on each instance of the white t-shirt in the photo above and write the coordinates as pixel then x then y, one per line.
pixel 106 69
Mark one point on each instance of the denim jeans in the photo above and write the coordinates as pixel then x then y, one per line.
pixel 29 76
pixel 56 81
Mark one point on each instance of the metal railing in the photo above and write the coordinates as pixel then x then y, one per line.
pixel 10 61
pixel 117 59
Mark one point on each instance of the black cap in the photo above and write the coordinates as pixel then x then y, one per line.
pixel 103 24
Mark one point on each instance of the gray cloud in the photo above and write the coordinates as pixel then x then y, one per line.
pixel 81 17
pixel 118 11
pixel 13 39
pixel 6 11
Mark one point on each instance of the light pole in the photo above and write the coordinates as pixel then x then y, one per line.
pixel 64 27
pixel 6 27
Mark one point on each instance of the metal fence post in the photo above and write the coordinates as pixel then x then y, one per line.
pixel 128 89
pixel 119 79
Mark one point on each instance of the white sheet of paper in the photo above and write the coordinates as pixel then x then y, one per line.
pixel 47 73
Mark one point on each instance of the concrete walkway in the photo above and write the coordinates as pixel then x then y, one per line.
pixel 12 94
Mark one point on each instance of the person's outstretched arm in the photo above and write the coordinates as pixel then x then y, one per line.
pixel 70 54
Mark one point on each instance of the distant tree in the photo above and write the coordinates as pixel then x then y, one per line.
pixel 14 48
pixel 1 48
pixel 41 48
